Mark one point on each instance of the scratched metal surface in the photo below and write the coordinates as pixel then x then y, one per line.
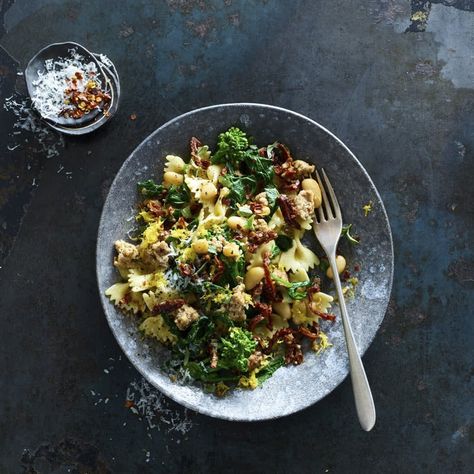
pixel 393 79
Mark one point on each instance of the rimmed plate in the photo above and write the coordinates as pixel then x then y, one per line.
pixel 291 388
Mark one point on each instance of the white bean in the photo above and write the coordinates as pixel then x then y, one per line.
pixel 231 250
pixel 170 177
pixel 235 222
pixel 340 264
pixel 253 277
pixel 283 309
pixel 208 192
pixel 309 184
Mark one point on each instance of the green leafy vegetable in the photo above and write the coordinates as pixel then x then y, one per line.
pixel 258 166
pixel 149 188
pixel 239 186
pixel 284 242
pixel 346 232
pixel 236 349
pixel 272 195
pixel 270 369
pixel 294 288
pixel 178 196
pixel 275 251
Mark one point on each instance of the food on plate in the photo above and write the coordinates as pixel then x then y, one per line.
pixel 69 87
pixel 218 270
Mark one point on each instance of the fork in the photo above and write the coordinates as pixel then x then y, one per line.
pixel 327 227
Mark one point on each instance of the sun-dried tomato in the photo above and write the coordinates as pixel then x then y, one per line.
pixel 265 310
pixel 308 333
pixel 181 223
pixel 185 269
pixel 321 314
pixel 155 208
pixel 288 210
pixel 257 238
pixel 254 321
pixel 281 154
pixel 314 288
pixel 168 306
pixel 293 352
pixel 195 145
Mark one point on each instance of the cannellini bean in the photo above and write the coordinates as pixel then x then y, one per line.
pixel 200 246
pixel 253 277
pixel 309 184
pixel 283 309
pixel 234 222
pixel 340 264
pixel 170 177
pixel 208 192
pixel 231 250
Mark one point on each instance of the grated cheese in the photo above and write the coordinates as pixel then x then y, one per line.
pixel 49 96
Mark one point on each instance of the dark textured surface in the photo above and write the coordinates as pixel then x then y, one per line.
pixel 393 80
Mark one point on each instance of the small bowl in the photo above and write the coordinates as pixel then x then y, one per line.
pixel 106 73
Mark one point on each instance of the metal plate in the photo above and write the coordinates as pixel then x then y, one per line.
pixel 291 388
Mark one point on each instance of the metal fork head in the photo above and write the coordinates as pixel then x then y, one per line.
pixel 327 224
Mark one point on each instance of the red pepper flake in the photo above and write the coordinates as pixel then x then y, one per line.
pixel 129 404
pixel 133 117
pixel 357 268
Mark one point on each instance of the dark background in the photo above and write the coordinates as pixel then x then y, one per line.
pixel 393 79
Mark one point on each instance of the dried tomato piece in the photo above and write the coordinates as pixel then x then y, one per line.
pixel 254 321
pixel 265 310
pixel 168 306
pixel 288 210
pixel 185 269
pixel 195 145
pixel 255 239
pixel 325 316
pixel 155 208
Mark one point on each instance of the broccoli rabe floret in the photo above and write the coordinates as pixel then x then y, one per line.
pixel 237 347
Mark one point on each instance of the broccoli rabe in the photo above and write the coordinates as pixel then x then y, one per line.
pixel 236 349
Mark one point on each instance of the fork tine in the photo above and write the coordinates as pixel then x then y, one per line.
pixel 325 198
pixel 335 203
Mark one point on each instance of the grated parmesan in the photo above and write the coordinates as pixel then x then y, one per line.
pixel 49 96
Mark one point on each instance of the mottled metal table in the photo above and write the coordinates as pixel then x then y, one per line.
pixel 393 79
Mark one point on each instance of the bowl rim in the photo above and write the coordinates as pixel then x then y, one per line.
pixel 169 393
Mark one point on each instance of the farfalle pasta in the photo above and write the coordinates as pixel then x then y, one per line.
pixel 219 271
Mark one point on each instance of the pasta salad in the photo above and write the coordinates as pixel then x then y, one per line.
pixel 217 270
